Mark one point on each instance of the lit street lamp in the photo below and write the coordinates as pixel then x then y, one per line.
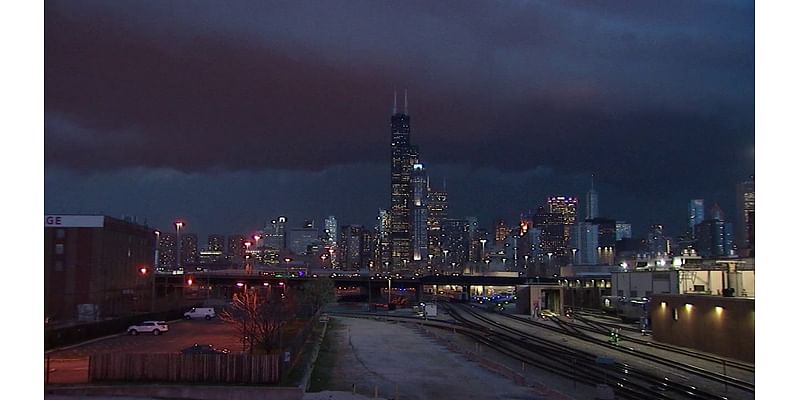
pixel 483 248
pixel 246 255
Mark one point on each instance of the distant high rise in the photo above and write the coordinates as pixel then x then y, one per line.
pixel 236 247
pixel 331 231
pixel 657 243
pixel 455 234
pixel 624 230
pixel 275 234
pixel 167 251
pixel 437 213
pixel 606 231
pixel 714 238
pixel 584 243
pixel 383 244
pixel 216 243
pixel 501 230
pixel 592 207
pixel 299 239
pixel 696 213
pixel 189 250
pixel 354 248
pixel 419 213
pixel 746 217
pixel 401 193
pixel 552 238
pixel 716 213
pixel 567 208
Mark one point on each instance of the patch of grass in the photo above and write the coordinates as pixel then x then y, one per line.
pixel 322 377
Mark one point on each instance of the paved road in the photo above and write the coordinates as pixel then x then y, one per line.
pixel 72 365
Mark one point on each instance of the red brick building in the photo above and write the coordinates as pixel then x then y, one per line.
pixel 95 261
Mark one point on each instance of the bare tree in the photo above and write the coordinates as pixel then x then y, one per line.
pixel 259 319
pixel 317 293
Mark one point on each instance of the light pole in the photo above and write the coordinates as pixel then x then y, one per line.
pixel 430 261
pixel 445 257
pixel 256 238
pixel 573 255
pixel 246 255
pixel 483 247
pixel 178 226
pixel 487 265
pixel 389 301
pixel 153 273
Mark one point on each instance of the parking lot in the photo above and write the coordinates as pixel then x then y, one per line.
pixel 71 365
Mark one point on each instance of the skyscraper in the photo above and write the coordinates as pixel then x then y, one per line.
pixel 167 251
pixel 567 208
pixel 216 243
pixel 624 230
pixel 419 213
pixel 592 208
pixel 355 249
pixel 189 251
pixel 501 230
pixel 275 233
pixel 383 244
pixel 331 231
pixel 584 243
pixel 437 212
pixel 696 213
pixel 746 217
pixel 456 241
pixel 716 213
pixel 551 233
pixel 401 195
pixel 236 248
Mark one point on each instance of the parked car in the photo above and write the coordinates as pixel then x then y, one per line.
pixel 154 327
pixel 204 349
pixel 200 312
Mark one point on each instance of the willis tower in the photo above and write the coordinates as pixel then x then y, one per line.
pixel 403 157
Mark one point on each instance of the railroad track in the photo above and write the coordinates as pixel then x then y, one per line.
pixel 597 327
pixel 621 370
pixel 695 370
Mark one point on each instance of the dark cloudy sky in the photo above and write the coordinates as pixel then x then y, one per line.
pixel 229 113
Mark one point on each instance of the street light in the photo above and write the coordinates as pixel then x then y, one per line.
pixel 158 244
pixel 573 255
pixel 445 256
pixel 483 247
pixel 246 254
pixel 178 226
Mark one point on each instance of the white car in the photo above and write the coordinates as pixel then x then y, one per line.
pixel 154 327
pixel 200 312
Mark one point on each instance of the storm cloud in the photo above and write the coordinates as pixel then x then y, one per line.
pixel 655 98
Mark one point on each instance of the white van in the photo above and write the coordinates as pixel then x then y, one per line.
pixel 200 312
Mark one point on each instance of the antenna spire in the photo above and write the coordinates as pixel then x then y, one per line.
pixel 405 109
pixel 394 107
pixel 592 182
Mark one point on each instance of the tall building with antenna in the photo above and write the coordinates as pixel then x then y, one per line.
pixel 592 208
pixel 402 157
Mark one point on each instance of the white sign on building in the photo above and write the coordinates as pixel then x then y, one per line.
pixel 73 221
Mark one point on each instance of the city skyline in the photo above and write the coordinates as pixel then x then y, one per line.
pixel 655 101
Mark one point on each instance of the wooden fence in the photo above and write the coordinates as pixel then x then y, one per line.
pixel 168 367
